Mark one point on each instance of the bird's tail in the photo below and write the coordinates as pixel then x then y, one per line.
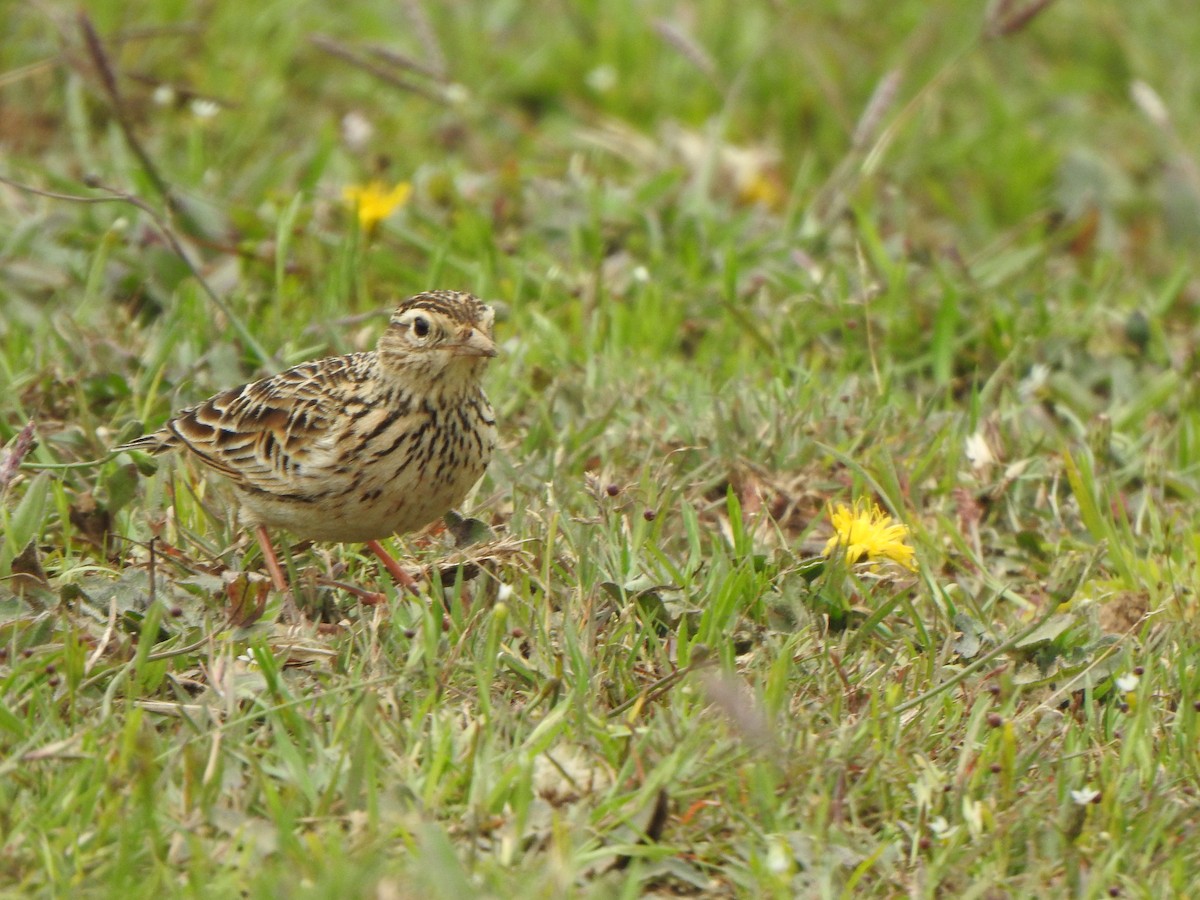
pixel 154 443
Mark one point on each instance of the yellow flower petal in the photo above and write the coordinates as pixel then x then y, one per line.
pixel 867 531
pixel 763 189
pixel 374 202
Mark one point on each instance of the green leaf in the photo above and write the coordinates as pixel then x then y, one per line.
pixel 467 531
pixel 26 521
pixel 971 636
pixel 1048 631
pixel 119 484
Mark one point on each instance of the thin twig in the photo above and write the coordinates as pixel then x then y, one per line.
pixel 653 691
pixel 1004 21
pixel 967 671
pixel 689 48
pixel 401 61
pixel 180 651
pixel 343 52
pixel 102 644
pixel 12 76
pixel 108 80
pixel 427 37
pixel 882 99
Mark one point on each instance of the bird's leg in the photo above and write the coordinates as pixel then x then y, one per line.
pixel 272 561
pixel 389 562
pixel 290 613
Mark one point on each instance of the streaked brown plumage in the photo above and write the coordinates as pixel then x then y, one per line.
pixel 356 447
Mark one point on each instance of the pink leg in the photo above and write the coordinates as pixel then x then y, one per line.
pixel 272 561
pixel 402 578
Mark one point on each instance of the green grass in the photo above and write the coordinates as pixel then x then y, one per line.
pixel 955 236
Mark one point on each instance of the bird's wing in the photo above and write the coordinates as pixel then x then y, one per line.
pixel 276 435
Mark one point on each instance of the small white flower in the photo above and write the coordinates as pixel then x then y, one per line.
pixel 204 109
pixel 357 130
pixel 456 94
pixel 974 814
pixel 1085 796
pixel 641 274
pixel 1033 383
pixel 164 95
pixel 1127 682
pixel 979 454
pixel 779 856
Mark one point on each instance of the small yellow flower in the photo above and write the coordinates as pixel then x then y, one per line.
pixel 374 202
pixel 867 531
pixel 761 189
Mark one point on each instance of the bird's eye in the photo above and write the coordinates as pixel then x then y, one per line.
pixel 421 326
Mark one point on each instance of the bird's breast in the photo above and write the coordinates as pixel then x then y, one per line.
pixel 400 468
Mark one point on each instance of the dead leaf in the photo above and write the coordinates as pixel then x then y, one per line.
pixel 1123 613
pixel 93 522
pixel 64 749
pixel 246 596
pixel 27 573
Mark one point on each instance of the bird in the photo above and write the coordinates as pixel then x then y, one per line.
pixel 354 448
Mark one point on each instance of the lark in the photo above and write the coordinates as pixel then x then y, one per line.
pixel 360 447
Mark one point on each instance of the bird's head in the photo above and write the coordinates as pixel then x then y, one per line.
pixel 441 337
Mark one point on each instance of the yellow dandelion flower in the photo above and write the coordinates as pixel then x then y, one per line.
pixel 374 202
pixel 761 189
pixel 867 531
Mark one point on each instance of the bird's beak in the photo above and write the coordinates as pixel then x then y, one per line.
pixel 473 342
